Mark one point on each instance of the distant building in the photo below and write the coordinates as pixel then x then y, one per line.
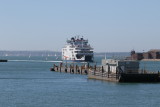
pixel 152 54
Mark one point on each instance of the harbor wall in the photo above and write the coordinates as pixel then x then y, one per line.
pixel 129 73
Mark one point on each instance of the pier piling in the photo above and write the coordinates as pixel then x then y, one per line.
pixel 73 68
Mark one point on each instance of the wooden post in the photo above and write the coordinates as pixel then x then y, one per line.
pixel 88 68
pixel 95 67
pixel 76 68
pixel 70 68
pixel 108 70
pixel 65 70
pixel 54 66
pixel 102 71
pixel 66 67
pixel 81 69
pixel 78 71
pixel 57 68
pixel 73 70
pixel 85 71
pixel 116 73
pixel 60 66
pixel 88 65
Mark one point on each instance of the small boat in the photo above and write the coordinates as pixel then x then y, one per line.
pixel 3 60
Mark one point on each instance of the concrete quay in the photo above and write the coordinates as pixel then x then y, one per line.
pixel 110 72
pixel 103 76
pixel 125 77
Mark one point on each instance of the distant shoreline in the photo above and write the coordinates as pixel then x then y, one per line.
pixel 150 60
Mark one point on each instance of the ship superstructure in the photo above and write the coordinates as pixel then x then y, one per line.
pixel 77 49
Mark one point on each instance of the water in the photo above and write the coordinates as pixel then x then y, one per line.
pixel 31 84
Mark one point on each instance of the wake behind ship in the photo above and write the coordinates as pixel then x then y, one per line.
pixel 77 50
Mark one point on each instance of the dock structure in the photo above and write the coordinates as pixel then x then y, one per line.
pixel 122 71
pixel 100 75
pixel 110 70
pixel 124 77
pixel 72 68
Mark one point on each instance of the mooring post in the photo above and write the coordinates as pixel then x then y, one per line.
pixel 73 70
pixel 85 71
pixel 78 71
pixel 70 68
pixel 95 67
pixel 88 65
pixel 57 67
pixel 102 71
pixel 108 70
pixel 54 67
pixel 66 68
pixel 116 73
pixel 108 74
pixel 60 66
pixel 81 69
pixel 76 68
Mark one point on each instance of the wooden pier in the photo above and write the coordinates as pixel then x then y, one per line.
pixel 71 68
pixel 98 72
pixel 93 72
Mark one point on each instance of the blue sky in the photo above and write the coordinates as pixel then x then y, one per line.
pixel 110 25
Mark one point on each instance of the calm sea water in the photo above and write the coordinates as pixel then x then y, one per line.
pixel 29 83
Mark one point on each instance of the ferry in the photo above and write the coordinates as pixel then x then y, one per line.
pixel 77 50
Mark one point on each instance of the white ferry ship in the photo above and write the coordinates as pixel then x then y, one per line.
pixel 77 50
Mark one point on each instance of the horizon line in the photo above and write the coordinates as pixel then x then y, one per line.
pixel 60 51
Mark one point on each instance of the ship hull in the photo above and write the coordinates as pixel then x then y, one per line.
pixel 69 61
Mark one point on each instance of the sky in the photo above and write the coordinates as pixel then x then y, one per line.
pixel 109 25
